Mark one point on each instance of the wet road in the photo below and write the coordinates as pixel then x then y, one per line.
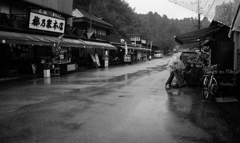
pixel 126 104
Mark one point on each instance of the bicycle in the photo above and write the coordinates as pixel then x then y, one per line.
pixel 210 84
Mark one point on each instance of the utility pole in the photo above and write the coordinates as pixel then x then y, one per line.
pixel 199 20
pixel 90 9
pixel 90 32
pixel 199 25
pixel 198 11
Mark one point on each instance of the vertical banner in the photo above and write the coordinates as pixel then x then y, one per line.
pixel 60 38
pixel 135 39
pixel 151 48
pixel 106 59
pixel 126 49
pixel 58 46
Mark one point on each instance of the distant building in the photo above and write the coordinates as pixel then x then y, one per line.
pixel 90 26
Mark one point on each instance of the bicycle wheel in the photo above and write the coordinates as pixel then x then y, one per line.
pixel 214 87
pixel 205 88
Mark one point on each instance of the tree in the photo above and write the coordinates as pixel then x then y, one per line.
pixel 151 26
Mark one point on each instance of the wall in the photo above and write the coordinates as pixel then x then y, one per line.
pixel 4 7
pixel 62 6
pixel 237 50
pixel 222 50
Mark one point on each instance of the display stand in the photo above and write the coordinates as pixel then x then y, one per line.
pixel 55 71
pixel 193 75
pixel 95 64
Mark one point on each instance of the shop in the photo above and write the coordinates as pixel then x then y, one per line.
pixel 141 53
pixel 97 54
pixel 193 62
pixel 65 63
pixel 126 53
pixel 33 49
pixel 20 50
pixel 30 53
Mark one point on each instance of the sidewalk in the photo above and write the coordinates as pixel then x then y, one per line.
pixel 22 77
pixel 231 112
pixel 30 76
pixel 19 77
pixel 229 107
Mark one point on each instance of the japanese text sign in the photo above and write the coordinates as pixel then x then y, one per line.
pixel 47 23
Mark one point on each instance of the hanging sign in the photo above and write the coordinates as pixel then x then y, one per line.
pixel 47 23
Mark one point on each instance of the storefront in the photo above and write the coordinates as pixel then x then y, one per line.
pixel 19 51
pixel 98 53
pixel 125 53
pixel 141 54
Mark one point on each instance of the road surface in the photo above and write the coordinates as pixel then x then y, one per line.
pixel 122 104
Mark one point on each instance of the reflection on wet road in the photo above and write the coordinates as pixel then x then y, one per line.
pixel 119 104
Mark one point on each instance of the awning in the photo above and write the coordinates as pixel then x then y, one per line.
pixel 33 39
pixel 196 36
pixel 73 43
pixel 101 45
pixel 128 47
pixel 148 49
pixel 206 43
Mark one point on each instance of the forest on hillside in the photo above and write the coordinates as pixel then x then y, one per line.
pixel 151 26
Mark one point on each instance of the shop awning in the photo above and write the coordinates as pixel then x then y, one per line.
pixel 73 43
pixel 101 45
pixel 26 39
pixel 33 39
pixel 148 49
pixel 128 47
pixel 196 36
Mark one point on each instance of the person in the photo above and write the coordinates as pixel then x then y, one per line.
pixel 175 65
pixel 169 81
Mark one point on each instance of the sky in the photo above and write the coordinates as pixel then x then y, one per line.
pixel 170 9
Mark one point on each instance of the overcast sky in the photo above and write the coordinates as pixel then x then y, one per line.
pixel 161 7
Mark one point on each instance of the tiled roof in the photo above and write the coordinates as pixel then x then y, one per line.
pixel 83 14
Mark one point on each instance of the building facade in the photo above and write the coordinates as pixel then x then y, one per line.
pixel 31 33
pixel 95 32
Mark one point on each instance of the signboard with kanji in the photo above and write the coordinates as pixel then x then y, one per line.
pixel 47 23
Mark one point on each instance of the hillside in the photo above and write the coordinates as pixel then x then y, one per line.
pixel 152 26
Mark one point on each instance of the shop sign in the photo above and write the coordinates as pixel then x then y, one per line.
pixel 48 13
pixel 106 63
pixel 135 38
pixel 144 41
pixel 47 23
pixel 71 67
pixel 127 58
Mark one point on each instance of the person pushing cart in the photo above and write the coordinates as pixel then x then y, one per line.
pixel 175 66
